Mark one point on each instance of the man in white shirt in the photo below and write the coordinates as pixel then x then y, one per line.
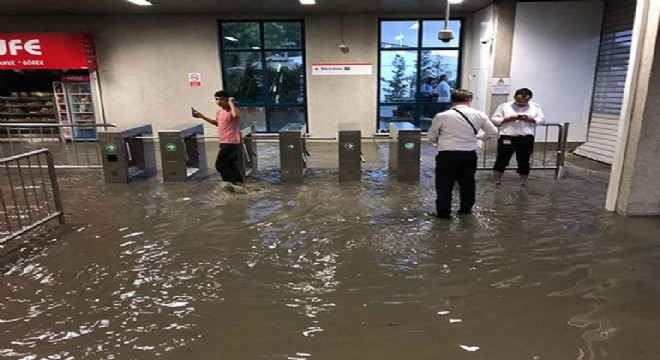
pixel 455 133
pixel 443 90
pixel 517 120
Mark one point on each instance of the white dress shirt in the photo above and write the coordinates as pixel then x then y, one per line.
pixel 451 132
pixel 518 127
pixel 444 91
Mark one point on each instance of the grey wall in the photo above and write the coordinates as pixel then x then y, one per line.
pixel 144 62
pixel 336 99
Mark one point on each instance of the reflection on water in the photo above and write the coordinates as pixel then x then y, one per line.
pixel 335 271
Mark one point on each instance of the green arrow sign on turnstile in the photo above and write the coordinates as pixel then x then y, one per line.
pixel 170 147
pixel 349 146
pixel 110 147
pixel 409 145
pixel 290 146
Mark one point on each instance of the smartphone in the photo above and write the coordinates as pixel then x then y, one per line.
pixel 193 111
pixel 522 117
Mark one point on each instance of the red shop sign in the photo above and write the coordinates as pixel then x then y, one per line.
pixel 31 51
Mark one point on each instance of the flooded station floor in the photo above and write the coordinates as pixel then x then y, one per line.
pixel 325 270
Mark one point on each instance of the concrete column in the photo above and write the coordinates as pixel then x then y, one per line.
pixel 635 169
pixel 505 17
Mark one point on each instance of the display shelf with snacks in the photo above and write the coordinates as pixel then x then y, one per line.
pixel 75 106
pixel 80 108
pixel 23 107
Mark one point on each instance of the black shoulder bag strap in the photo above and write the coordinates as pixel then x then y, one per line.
pixel 468 121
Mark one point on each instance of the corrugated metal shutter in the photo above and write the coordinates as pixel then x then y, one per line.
pixel 611 70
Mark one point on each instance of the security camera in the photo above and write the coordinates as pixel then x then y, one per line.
pixel 446 35
pixel 343 48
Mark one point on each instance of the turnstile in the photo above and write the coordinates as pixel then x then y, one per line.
pixel 405 141
pixel 247 163
pixel 350 150
pixel 182 152
pixel 127 153
pixel 293 153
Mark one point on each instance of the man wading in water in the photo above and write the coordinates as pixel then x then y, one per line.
pixel 227 119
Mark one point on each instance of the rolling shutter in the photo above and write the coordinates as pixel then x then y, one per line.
pixel 611 69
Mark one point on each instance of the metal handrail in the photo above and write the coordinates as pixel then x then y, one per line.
pixel 562 139
pixel 38 125
pixel 22 137
pixel 24 188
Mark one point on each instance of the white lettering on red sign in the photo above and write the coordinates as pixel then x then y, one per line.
pixel 14 46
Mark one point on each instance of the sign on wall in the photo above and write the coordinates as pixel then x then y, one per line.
pixel 47 51
pixel 342 69
pixel 194 79
pixel 501 86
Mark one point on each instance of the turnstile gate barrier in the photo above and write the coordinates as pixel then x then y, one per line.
pixel 350 152
pixel 247 163
pixel 293 153
pixel 405 141
pixel 127 153
pixel 182 152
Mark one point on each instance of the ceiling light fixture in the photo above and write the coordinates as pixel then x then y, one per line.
pixel 455 1
pixel 231 38
pixel 141 2
pixel 308 2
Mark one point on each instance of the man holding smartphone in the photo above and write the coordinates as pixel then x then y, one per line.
pixel 517 120
pixel 227 119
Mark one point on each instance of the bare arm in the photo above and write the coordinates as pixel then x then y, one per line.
pixel 233 110
pixel 199 115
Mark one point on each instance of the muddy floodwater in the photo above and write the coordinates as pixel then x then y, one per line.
pixel 325 270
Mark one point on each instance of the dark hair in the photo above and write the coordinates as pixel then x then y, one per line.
pixel 443 76
pixel 222 93
pixel 523 92
pixel 461 95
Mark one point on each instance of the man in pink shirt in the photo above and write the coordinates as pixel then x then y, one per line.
pixel 227 119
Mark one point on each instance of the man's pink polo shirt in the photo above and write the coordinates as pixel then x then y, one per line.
pixel 228 130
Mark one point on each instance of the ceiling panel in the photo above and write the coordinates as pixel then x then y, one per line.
pixel 219 7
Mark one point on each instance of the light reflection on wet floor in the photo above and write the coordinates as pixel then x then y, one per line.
pixel 330 271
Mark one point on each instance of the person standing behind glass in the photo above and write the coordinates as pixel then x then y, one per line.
pixel 455 132
pixel 426 90
pixel 443 90
pixel 517 120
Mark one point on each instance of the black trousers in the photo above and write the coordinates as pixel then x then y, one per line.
pixel 523 146
pixel 452 167
pixel 227 163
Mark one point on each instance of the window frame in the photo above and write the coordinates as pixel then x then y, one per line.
pixel 265 98
pixel 416 104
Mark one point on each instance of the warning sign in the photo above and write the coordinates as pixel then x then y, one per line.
pixel 195 79
pixel 501 86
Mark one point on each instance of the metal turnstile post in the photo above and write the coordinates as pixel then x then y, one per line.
pixel 127 153
pixel 182 152
pixel 293 152
pixel 247 163
pixel 350 150
pixel 405 151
